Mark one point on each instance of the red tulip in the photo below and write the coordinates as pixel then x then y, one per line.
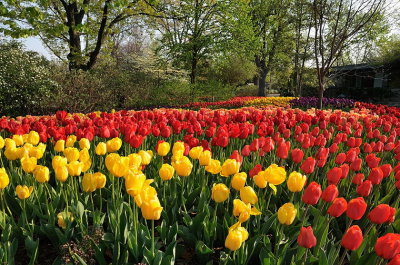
pixel 312 193
pixel 375 176
pixel 308 165
pixel 395 260
pixel 246 150
pixel 282 151
pixel 356 208
pixel 364 189
pixel 334 175
pixel 388 246
pixel 353 238
pixel 297 155
pixel 254 171
pixel 358 179
pixel 356 164
pixel 386 170
pixel 338 207
pixel 330 193
pixel 345 170
pixel 381 214
pixel 372 160
pixel 306 238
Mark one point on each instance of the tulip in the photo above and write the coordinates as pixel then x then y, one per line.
pixel 358 179
pixel 395 260
pixel 230 167
pixel 59 146
pixel 375 176
pixel 364 189
pixel 308 165
pixel 100 180
pixel 61 173
pixel 287 213
pixel 4 179
pixel 239 180
pixel 260 180
pixel 356 208
pixel 146 192
pixel 146 156
pixel 306 238
pixel 282 151
pixel 205 158
pixel 113 145
pixel 151 209
pixel 134 181
pixel 275 175
pixel 18 139
pixel 334 175
pixel 330 193
pixel 353 238
pixel 70 141
pixel 63 218
pixel 135 161
pixel 386 170
pixel 242 209
pixel 312 193
pixel 195 152
pixel 89 183
pixel 166 172
pixel 84 143
pixel 381 214
pixel 59 161
pixel 219 192
pixel 41 173
pixel 101 149
pixel 75 168
pixel 84 155
pixel 72 154
pixel 23 192
pixel 338 207
pixel 178 147
pixel 255 170
pixel 297 155
pixel 214 167
pixel 388 246
pixel 340 158
pixel 163 148
pixel 236 236
pixel 183 166
pixel 248 195
pixel 296 181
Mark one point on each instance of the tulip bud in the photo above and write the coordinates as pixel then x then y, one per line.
pixel 163 148
pixel 61 173
pixel 248 195
pixel 353 238
pixel 296 181
pixel 84 143
pixel 151 209
pixel 101 149
pixel 297 155
pixel 239 180
pixel 219 192
pixel 63 218
pixel 306 238
pixel 356 208
pixel 308 165
pixel 330 193
pixel 287 213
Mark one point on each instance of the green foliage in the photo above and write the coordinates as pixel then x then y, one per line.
pixel 25 81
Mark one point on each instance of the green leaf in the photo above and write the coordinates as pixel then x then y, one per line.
pixel 202 248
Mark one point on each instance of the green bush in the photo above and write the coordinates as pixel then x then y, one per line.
pixel 25 83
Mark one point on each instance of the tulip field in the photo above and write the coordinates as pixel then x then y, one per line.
pixel 250 181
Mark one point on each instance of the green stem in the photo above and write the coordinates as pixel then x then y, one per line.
pixel 152 237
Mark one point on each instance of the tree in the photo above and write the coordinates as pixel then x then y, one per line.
pixel 337 24
pixel 77 28
pixel 270 25
pixel 196 30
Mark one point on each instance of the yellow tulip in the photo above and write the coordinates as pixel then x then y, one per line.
pixel 195 152
pixel 260 180
pixel 11 153
pixel 183 166
pixel 146 156
pixel 4 179
pixel 33 138
pixel 37 151
pixel 84 143
pixel 89 183
pixel 100 180
pixel 287 213
pixel 59 146
pixel 275 175
pixel 84 155
pixel 178 147
pixel 72 154
pixel 2 142
pixel 163 149
pixel 241 208
pixel 41 173
pixel 236 236
pixel 63 218
pixel 75 168
pixel 59 161
pixel 23 192
pixel 120 166
pixel 230 167
pixel 146 193
pixel 114 145
pixel 239 180
pixel 205 158
pixel 134 182
pixel 28 164
pixel 10 143
pixel 248 195
pixel 220 192
pixel 18 139
pixel 135 161
pixel 214 167
pixel 111 159
pixel 86 165
pixel 71 139
pixel 166 172
pixel 61 173
pixel 151 209
pixel 101 149
pixel 296 181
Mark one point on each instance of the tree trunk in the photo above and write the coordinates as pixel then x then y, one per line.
pixel 321 96
pixel 193 71
pixel 255 80
pixel 261 82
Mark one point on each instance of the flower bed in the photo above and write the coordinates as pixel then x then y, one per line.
pixel 252 185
